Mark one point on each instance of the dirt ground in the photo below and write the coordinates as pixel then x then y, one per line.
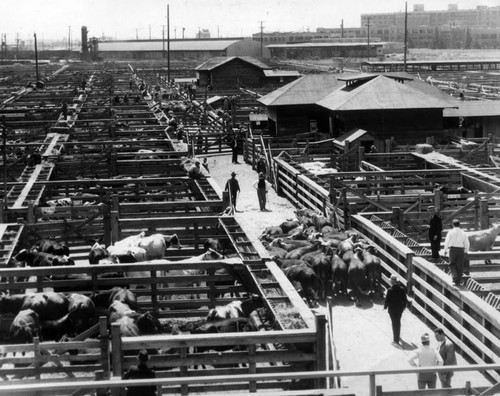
pixel 363 334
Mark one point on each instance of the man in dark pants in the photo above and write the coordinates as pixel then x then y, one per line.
pixel 141 371
pixel 395 303
pixel 233 187
pixel 435 230
pixel 457 245
pixel 447 351
pixel 234 148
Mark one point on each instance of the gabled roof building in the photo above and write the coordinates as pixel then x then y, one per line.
pixel 385 105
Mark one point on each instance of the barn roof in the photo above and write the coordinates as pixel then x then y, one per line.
pixel 306 90
pixel 381 93
pixel 221 60
pixel 282 73
pixel 179 45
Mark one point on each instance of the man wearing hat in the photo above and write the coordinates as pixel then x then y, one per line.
pixel 426 356
pixel 395 303
pixel 233 187
pixel 140 371
pixel 446 350
pixel 435 230
pixel 261 186
pixel 456 246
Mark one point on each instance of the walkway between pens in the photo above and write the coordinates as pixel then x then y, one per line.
pixel 363 335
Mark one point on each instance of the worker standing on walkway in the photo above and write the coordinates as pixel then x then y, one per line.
pixel 233 187
pixel 261 186
pixel 426 357
pixel 457 245
pixel 435 230
pixel 395 303
pixel 446 350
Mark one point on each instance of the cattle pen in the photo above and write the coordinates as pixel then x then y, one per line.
pixel 116 192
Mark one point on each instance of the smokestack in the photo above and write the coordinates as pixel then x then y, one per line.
pixel 85 45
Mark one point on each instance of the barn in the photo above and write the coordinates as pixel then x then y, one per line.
pixel 233 71
pixel 476 119
pixel 383 104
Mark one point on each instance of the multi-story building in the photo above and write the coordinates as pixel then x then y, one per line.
pixel 451 28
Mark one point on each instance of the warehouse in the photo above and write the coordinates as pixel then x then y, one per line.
pixel 384 105
pixel 184 49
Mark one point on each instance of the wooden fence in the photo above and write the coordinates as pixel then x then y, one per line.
pixel 472 324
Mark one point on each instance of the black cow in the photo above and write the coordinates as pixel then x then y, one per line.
pixel 322 266
pixel 357 275
pixel 48 305
pixel 82 313
pixel 307 279
pixel 24 327
pixel 339 274
pixel 105 298
pixel 97 252
pixel 40 259
pixel 52 247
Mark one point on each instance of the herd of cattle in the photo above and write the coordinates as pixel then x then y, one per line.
pixel 58 315
pixel 320 260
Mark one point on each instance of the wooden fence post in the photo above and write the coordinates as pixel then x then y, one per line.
pixel 31 213
pixel 37 357
pixel 104 338
pixel 252 367
pixel 116 350
pixel 321 348
pixel 115 226
pixel 409 273
pixel 483 214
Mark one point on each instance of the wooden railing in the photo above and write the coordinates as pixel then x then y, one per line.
pixel 472 324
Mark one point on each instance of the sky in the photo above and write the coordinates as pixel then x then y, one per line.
pixel 128 19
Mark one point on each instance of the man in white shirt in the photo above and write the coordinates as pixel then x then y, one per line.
pixel 426 357
pixel 456 246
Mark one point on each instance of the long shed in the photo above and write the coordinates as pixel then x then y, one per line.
pixel 229 72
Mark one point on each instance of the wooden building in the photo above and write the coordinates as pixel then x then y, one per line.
pixel 391 105
pixel 231 72
pixel 474 119
pixel 180 49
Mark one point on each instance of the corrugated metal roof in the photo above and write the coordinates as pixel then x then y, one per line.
pixel 381 93
pixel 474 109
pixel 221 60
pixel 308 89
pixel 281 73
pixel 180 45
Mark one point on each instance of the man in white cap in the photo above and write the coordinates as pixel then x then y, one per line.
pixel 395 303
pixel 426 356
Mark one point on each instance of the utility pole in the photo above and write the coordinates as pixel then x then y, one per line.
pixel 199 32
pixel 183 32
pixel 136 33
pixel 168 44
pixel 218 31
pixel 406 35
pixel 69 42
pixel 17 45
pixel 36 61
pixel 261 39
pixel 368 35
pixel 342 29
pixel 163 42
pixel 175 33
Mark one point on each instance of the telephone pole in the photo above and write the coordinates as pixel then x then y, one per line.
pixel 368 35
pixel 342 29
pixel 163 42
pixel 168 44
pixel 406 35
pixel 69 42
pixel 261 39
